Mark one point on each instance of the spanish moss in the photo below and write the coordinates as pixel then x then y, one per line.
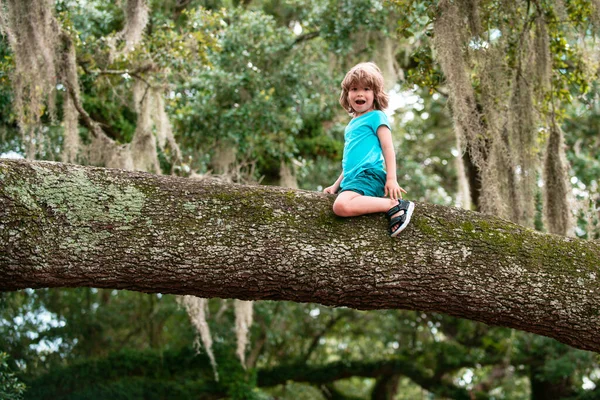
pixel 522 137
pixel 196 308
pixel 71 142
pixel 541 52
pixel 143 144
pixel 449 37
pixel 556 194
pixel 136 18
pixel 243 322
pixel 498 112
pixel 31 30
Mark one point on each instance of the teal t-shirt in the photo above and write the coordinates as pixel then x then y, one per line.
pixel 362 149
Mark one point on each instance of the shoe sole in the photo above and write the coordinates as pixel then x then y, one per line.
pixel 409 212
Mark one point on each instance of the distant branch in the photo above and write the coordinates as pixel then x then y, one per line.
pixel 134 74
pixel 328 373
pixel 304 38
pixel 88 122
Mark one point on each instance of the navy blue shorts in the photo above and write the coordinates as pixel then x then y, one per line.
pixel 370 182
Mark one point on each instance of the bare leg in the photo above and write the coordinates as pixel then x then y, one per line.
pixel 352 204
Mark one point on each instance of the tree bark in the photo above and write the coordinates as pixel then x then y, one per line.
pixel 64 225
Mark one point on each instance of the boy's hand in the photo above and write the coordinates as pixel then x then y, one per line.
pixel 330 190
pixel 393 189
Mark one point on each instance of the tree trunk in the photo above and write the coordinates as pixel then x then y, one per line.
pixel 64 225
pixel 474 178
pixel 386 387
pixel 561 388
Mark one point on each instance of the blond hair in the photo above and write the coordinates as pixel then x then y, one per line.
pixel 368 74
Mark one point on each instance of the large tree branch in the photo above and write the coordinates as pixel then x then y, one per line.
pixel 67 225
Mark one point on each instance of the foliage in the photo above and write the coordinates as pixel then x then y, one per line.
pixel 128 374
pixel 583 149
pixel 10 386
pixel 254 101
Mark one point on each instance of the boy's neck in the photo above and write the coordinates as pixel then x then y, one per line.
pixel 363 113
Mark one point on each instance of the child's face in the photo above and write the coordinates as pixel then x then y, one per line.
pixel 360 97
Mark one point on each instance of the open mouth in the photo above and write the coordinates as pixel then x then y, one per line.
pixel 360 102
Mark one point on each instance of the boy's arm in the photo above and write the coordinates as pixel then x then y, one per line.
pixel 333 189
pixel 389 155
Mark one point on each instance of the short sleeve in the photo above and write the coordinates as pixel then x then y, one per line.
pixel 379 119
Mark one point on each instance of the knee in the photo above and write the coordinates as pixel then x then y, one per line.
pixel 340 209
